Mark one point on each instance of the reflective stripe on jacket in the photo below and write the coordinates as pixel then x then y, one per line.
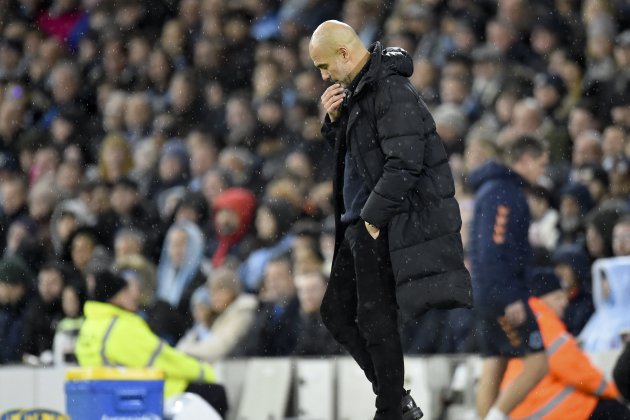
pixel 111 336
pixel 572 386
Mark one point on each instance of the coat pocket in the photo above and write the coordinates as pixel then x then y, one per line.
pixel 423 221
pixel 428 258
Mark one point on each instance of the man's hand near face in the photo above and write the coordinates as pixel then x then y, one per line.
pixel 332 100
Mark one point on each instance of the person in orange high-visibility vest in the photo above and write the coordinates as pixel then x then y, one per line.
pixel 573 388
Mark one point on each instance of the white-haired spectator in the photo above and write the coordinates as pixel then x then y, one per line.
pixel 228 319
pixel 451 124
pixel 587 148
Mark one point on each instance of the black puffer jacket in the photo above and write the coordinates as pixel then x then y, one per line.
pixel 402 160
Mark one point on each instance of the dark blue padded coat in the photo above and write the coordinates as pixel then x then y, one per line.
pixel 500 252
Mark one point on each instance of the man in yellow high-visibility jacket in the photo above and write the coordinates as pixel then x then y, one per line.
pixel 113 335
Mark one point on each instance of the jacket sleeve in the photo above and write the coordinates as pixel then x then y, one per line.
pixel 223 337
pixel 401 124
pixel 329 130
pixel 135 345
pixel 568 363
pixel 188 342
pixel 497 222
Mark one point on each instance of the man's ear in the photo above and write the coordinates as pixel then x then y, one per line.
pixel 343 52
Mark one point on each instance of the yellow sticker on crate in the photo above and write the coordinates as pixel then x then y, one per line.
pixel 36 414
pixel 11 415
pixel 114 374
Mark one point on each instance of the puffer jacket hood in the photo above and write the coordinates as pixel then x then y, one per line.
pixel 493 171
pixel 386 62
pixel 394 60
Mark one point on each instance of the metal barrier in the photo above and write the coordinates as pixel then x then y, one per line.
pixel 304 389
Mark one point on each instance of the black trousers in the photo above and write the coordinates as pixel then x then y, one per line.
pixel 621 372
pixel 610 410
pixel 214 394
pixel 360 310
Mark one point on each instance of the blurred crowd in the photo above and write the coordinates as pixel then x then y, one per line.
pixel 178 143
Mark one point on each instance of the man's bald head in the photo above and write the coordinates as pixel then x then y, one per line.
pixel 333 34
pixel 337 51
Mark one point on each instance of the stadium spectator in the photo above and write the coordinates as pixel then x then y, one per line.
pixel 172 171
pixel 575 203
pixel 273 222
pixel 44 313
pixel 203 151
pixel 140 274
pixel 179 272
pixel 275 328
pixel 234 210
pixel 613 140
pixel 193 208
pixel 73 298
pixel 599 228
pixel 226 320
pixel 595 178
pixel 611 283
pixel 131 211
pixel 313 339
pixel 14 205
pixel 572 266
pixel 16 292
pixel 86 250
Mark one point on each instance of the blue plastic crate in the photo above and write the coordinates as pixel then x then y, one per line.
pixel 115 399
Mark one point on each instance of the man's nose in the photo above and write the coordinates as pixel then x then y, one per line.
pixel 325 75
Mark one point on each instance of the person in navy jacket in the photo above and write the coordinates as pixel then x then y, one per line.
pixel 501 256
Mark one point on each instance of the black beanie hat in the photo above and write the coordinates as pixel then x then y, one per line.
pixel 107 286
pixel 13 271
pixel 544 281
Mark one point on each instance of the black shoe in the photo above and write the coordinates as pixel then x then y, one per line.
pixel 410 411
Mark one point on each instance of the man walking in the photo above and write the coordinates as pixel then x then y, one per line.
pixel 500 256
pixel 397 241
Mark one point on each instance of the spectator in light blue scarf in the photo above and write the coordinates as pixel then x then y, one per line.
pixel 611 294
pixel 178 273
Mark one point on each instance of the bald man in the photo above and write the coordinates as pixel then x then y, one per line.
pixel 397 241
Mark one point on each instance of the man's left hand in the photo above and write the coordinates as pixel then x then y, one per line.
pixel 515 313
pixel 372 230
